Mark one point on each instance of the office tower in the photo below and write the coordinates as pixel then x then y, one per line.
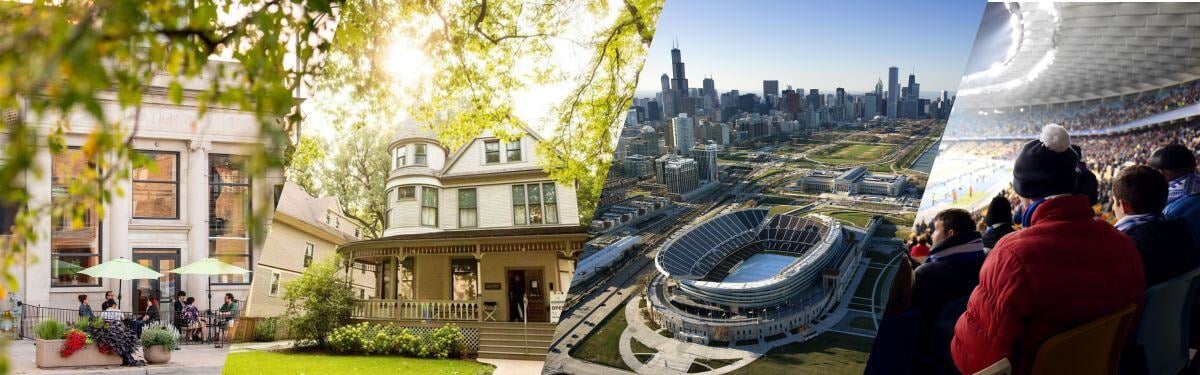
pixel 791 101
pixel 912 85
pixel 724 134
pixel 653 111
pixel 679 82
pixel 870 105
pixel 893 93
pixel 879 89
pixel 679 174
pixel 840 98
pixel 631 117
pixel 710 92
pixel 683 134
pixel 814 98
pixel 915 90
pixel 638 166
pixel 746 102
pixel 668 97
pixel 770 88
pixel 706 161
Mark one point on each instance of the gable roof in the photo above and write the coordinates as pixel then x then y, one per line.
pixel 297 204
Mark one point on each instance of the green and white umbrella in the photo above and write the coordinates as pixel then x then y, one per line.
pixel 121 269
pixel 210 267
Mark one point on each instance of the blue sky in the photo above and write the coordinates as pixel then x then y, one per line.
pixel 814 44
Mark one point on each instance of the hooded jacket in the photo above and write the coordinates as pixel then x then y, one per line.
pixel 1065 269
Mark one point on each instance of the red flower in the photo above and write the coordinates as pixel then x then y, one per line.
pixel 75 340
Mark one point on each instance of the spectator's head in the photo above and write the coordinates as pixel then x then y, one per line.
pixel 108 296
pixel 999 211
pixel 107 305
pixel 1137 190
pixel 180 294
pixel 1046 166
pixel 190 300
pixel 83 298
pixel 1173 161
pixel 228 297
pixel 950 223
pixel 923 240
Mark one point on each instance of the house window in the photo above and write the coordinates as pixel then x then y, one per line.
pixel 74 238
pixel 535 204
pixel 429 206
pixel 229 209
pixel 491 152
pixel 468 216
pixel 308 254
pixel 464 279
pixel 358 232
pixel 420 158
pixel 514 151
pixel 408 284
pixel 406 193
pixel 519 213
pixel 274 284
pixel 399 153
pixel 156 187
pixel 387 218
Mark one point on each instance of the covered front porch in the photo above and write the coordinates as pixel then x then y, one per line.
pixel 514 275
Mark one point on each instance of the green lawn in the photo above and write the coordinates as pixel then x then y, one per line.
pixel 848 153
pixel 856 218
pixel 603 345
pixel 266 363
pixel 829 353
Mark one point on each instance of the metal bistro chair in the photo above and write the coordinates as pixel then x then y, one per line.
pixel 1162 334
pixel 1092 348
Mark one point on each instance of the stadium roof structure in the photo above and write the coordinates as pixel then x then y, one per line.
pixel 1069 52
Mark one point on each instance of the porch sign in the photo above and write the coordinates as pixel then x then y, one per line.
pixel 557 302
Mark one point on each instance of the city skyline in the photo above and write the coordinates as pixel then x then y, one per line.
pixel 854 59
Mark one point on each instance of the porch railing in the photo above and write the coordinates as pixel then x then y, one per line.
pixel 435 310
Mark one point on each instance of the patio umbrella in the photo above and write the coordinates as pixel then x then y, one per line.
pixel 121 269
pixel 210 267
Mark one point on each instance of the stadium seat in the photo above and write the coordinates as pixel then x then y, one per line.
pixel 894 350
pixel 1162 335
pixel 1092 348
pixel 1001 367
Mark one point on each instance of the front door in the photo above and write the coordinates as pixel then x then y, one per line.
pixel 163 288
pixel 535 292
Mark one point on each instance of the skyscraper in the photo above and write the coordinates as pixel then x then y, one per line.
pixel 706 161
pixel 668 97
pixel 912 86
pixel 893 93
pixel 710 92
pixel 683 134
pixel 841 97
pixel 771 90
pixel 679 80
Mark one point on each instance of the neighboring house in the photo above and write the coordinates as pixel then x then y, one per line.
pixel 305 230
pixel 193 205
pixel 481 237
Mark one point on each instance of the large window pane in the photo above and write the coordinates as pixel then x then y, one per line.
pixel 406 275
pixel 229 207
pixel 518 198
pixel 156 187
pixel 514 151
pixel 467 211
pixel 550 202
pixel 535 204
pixel 464 279
pixel 429 206
pixel 420 156
pixel 74 237
pixel 491 152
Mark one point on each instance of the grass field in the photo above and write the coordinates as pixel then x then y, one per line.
pixel 828 353
pixel 267 363
pixel 856 218
pixel 603 345
pixel 848 153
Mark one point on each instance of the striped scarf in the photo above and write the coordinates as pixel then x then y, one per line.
pixel 1184 186
pixel 1132 221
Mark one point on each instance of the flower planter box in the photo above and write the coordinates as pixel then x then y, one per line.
pixel 48 356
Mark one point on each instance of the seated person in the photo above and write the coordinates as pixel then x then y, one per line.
pixel 950 274
pixel 110 312
pixel 193 326
pixel 1139 194
pixel 1064 268
pixel 85 310
pixel 228 311
pixel 999 222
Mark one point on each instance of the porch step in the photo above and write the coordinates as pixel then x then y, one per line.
pixel 508 355
pixel 516 340
pixel 532 343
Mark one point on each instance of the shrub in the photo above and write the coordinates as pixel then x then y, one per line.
pixel 408 343
pixel 318 302
pixel 158 336
pixel 444 342
pixel 348 339
pixel 266 330
pixel 113 338
pixel 382 339
pixel 50 329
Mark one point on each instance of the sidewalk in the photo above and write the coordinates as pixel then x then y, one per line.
pixel 503 366
pixel 191 359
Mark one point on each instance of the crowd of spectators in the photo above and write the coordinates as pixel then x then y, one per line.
pixel 1097 116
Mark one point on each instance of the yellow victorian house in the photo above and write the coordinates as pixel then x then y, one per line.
pixel 481 237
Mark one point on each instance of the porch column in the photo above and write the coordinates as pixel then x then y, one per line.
pixel 394 276
pixel 197 217
pixel 478 283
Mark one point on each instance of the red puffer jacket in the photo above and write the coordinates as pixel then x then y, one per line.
pixel 1065 269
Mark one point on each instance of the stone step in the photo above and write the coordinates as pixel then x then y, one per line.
pixel 511 355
